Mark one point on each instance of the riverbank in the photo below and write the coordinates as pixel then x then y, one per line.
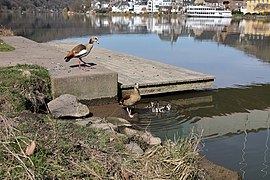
pixel 54 155
pixel 219 172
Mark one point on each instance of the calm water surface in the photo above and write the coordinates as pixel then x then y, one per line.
pixel 234 115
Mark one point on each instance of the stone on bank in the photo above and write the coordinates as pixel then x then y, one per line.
pixel 67 105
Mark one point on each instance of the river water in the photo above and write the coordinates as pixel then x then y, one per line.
pixel 233 116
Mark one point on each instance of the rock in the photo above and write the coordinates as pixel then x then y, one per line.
pixel 134 148
pixel 26 73
pixel 122 136
pixel 95 120
pixel 104 126
pixel 129 132
pixel 67 105
pixel 89 121
pixel 83 122
pixel 150 139
pixel 120 122
pixel 214 171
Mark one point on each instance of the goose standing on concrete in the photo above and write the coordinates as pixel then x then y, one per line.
pixel 129 100
pixel 81 51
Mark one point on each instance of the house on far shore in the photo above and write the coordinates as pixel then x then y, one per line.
pixel 259 6
pixel 251 6
pixel 122 6
pixel 100 5
pixel 238 5
pixel 140 8
pixel 176 6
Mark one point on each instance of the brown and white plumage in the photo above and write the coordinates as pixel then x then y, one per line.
pixel 81 50
pixel 131 99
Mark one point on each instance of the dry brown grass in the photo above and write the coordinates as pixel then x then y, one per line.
pixel 173 160
pixel 6 31
pixel 13 147
pixel 64 150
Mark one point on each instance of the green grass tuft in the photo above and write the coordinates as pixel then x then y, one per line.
pixel 5 47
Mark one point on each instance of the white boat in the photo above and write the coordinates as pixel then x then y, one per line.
pixel 207 11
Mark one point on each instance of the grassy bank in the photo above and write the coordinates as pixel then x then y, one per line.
pixel 36 146
pixel 24 87
pixel 68 151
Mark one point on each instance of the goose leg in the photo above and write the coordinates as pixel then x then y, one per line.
pixel 129 113
pixel 79 64
pixel 85 63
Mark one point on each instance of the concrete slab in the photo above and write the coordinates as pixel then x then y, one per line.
pixel 153 77
pixel 95 83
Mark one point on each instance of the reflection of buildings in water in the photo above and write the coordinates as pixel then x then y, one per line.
pixel 258 27
pixel 255 38
pixel 167 28
pixel 232 123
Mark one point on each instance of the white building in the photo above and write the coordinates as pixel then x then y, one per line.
pixel 157 5
pixel 153 5
pixel 140 8
pixel 122 6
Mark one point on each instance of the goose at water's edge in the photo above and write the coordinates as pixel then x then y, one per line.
pixel 81 51
pixel 131 99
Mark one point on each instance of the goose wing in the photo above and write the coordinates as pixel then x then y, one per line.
pixel 125 97
pixel 79 50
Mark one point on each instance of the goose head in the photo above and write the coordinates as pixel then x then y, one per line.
pixel 136 86
pixel 93 39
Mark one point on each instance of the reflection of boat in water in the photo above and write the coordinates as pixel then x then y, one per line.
pixel 207 11
pixel 207 23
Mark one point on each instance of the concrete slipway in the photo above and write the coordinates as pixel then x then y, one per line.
pixel 111 72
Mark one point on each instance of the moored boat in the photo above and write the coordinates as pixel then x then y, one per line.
pixel 207 11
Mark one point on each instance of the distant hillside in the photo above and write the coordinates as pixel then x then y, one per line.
pixel 43 5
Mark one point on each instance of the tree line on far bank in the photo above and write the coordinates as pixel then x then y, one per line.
pixel 45 5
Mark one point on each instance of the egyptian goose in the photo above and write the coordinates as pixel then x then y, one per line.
pixel 131 99
pixel 81 51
